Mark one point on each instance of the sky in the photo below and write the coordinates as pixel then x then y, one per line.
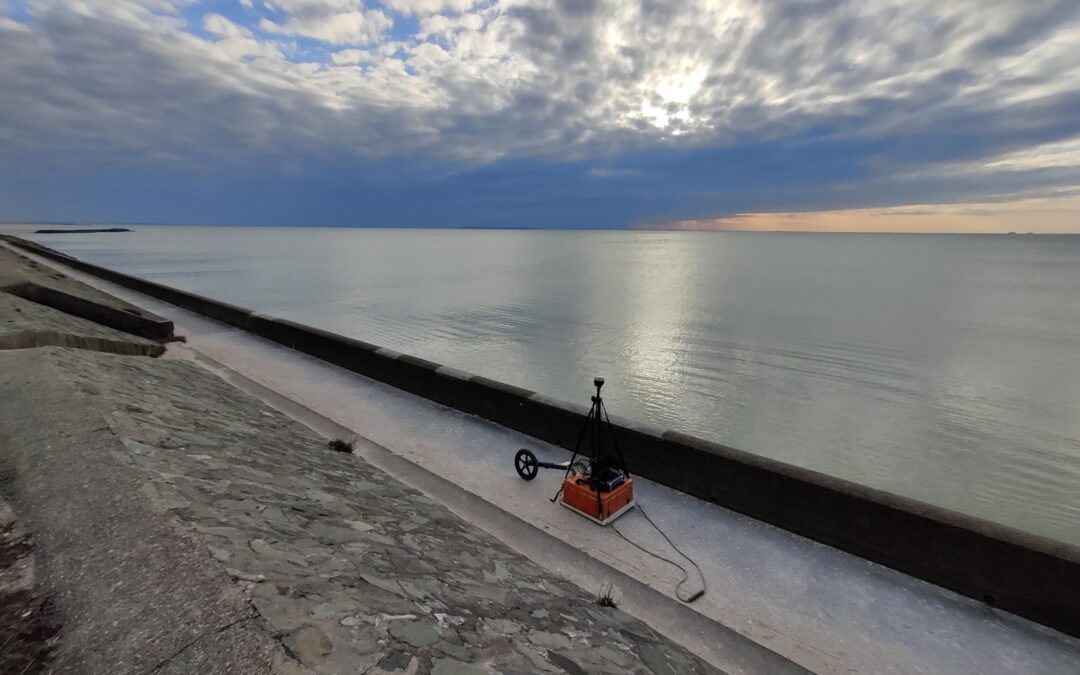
pixel 833 115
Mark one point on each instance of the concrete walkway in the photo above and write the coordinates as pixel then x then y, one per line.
pixel 829 611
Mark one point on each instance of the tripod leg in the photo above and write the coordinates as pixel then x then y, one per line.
pixel 577 446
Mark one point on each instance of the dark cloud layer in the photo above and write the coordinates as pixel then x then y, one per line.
pixel 529 113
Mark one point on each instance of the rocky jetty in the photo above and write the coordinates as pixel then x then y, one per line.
pixel 83 230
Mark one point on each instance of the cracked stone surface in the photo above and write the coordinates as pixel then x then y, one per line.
pixel 132 590
pixel 349 569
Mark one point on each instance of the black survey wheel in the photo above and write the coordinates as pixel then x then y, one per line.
pixel 525 463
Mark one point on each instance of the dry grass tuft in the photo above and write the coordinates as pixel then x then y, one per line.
pixel 339 445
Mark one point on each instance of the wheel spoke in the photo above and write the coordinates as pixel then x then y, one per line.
pixel 526 464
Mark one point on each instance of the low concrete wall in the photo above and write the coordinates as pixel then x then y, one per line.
pixel 152 328
pixel 1031 576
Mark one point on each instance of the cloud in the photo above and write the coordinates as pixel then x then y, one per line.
pixel 345 28
pixel 607 172
pixel 11 25
pixel 221 27
pixel 350 57
pixel 237 42
pixel 726 107
pixel 314 6
pixel 336 22
pixel 428 7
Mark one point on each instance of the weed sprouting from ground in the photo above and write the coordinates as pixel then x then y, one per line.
pixel 339 445
pixel 606 599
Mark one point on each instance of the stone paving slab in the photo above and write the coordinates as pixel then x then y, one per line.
pixel 130 591
pixel 350 570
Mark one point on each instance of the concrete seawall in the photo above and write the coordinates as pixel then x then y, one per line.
pixel 1031 576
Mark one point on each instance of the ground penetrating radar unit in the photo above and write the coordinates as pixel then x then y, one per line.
pixel 597 484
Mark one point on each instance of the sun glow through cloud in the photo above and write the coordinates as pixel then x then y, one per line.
pixel 1047 215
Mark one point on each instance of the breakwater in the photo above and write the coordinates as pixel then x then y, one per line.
pixel 1021 573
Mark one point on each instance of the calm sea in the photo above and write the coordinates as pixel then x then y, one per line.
pixel 944 368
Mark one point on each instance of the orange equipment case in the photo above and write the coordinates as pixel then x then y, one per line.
pixel 602 507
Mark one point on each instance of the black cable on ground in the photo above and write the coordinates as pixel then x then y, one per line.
pixel 686 573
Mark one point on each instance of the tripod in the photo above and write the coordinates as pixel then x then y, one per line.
pixel 605 470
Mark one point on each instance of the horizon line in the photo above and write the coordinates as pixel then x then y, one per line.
pixel 40 223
